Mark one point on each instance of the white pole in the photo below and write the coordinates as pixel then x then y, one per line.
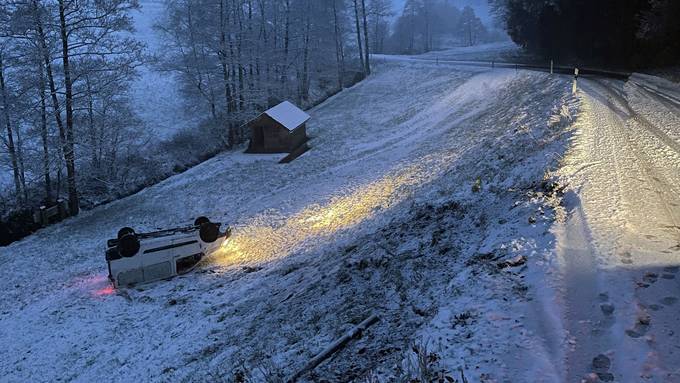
pixel 574 87
pixel 551 67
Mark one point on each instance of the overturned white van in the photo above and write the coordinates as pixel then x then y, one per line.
pixel 136 258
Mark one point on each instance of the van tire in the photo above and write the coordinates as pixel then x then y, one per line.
pixel 128 245
pixel 201 220
pixel 209 232
pixel 125 230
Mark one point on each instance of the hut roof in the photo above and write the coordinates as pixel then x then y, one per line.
pixel 288 115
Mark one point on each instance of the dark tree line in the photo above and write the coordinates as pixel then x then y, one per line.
pixel 613 33
pixel 65 67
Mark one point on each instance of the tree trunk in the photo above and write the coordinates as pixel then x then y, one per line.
pixel 10 136
pixel 286 43
pixel 339 54
pixel 20 159
pixel 53 89
pixel 43 135
pixel 304 79
pixel 265 45
pixel 225 73
pixel 358 28
pixel 69 153
pixel 367 64
pixel 412 31
pixel 92 128
pixel 197 63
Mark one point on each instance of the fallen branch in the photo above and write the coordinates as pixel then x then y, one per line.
pixel 335 346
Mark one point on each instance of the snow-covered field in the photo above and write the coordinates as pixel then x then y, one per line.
pixel 385 214
pixel 484 54
pixel 505 50
pixel 156 95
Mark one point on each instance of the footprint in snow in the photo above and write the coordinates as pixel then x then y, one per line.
pixel 636 332
pixel 648 279
pixel 627 260
pixel 601 365
pixel 607 309
pixel 672 269
pixel 669 301
pixel 641 326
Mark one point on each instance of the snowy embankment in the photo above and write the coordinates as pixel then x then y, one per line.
pixel 423 182
pixel 478 55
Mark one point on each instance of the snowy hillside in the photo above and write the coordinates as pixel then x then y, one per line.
pixel 405 206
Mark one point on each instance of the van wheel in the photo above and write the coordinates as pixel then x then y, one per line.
pixel 209 232
pixel 125 230
pixel 201 220
pixel 128 245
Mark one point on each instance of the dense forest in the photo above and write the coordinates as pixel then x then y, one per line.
pixel 69 127
pixel 616 34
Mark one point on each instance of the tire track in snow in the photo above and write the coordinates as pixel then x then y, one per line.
pixel 651 173
pixel 624 109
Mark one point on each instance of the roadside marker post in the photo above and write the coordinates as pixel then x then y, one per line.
pixel 575 81
pixel 551 67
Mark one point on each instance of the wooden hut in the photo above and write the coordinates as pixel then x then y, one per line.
pixel 281 129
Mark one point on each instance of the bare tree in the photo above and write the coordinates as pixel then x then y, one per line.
pixel 358 30
pixel 379 12
pixel 367 63
pixel 8 127
pixel 339 43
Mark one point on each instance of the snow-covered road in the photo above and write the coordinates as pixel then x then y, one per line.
pixel 619 247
